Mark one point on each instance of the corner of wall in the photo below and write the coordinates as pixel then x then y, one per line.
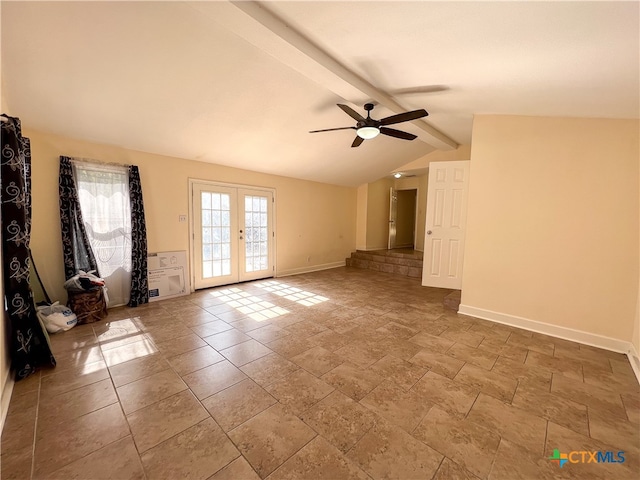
pixel 5 398
pixel 6 381
pixel 463 152
pixel 634 360
pixel 634 349
pixel 361 217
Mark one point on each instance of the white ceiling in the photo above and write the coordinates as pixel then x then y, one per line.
pixel 241 84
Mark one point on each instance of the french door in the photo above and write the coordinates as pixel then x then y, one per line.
pixel 233 234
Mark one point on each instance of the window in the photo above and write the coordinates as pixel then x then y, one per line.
pixel 103 191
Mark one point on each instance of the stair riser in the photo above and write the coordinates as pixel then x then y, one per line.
pixel 409 268
pixel 386 253
pixel 392 260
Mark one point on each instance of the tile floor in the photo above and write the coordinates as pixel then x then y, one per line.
pixel 339 374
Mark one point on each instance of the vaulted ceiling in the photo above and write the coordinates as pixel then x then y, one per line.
pixel 242 83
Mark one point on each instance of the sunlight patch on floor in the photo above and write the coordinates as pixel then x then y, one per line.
pixel 256 308
pixel 308 299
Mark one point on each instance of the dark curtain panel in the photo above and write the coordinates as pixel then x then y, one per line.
pixel 29 343
pixel 139 283
pixel 75 243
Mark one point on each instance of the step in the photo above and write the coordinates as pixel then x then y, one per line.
pixel 382 256
pixel 398 263
pixel 397 253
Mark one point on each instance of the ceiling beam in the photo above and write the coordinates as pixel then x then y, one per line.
pixel 293 49
pixel 258 12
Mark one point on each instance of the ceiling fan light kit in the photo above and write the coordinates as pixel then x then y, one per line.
pixel 368 128
pixel 367 133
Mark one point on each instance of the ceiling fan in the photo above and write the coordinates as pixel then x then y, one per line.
pixel 368 128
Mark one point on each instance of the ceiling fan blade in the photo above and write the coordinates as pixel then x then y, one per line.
pixel 351 112
pixel 357 141
pixel 404 117
pixel 392 132
pixel 333 129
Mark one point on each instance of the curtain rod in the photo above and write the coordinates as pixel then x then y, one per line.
pixel 99 162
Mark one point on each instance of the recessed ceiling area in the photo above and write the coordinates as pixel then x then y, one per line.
pixel 242 83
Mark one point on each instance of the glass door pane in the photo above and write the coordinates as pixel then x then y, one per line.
pixel 215 235
pixel 256 255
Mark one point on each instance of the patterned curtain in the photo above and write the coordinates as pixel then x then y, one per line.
pixel 139 283
pixel 75 243
pixel 29 342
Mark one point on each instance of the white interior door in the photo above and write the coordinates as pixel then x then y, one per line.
pixel 445 224
pixel 232 234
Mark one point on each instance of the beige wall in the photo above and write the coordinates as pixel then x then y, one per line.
pixel 553 222
pixel 361 217
pixel 635 339
pixel 463 152
pixel 312 219
pixel 378 214
pixel 636 324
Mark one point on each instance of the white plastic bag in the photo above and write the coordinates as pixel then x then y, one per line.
pixel 85 281
pixel 57 318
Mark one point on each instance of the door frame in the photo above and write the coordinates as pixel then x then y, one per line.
pixel 415 216
pixel 191 182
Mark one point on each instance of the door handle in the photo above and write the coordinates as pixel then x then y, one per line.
pixel 429 232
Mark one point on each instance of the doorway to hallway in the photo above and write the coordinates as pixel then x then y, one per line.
pixel 402 218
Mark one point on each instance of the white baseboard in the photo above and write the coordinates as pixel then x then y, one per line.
pixel 565 333
pixel 7 390
pixel 312 268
